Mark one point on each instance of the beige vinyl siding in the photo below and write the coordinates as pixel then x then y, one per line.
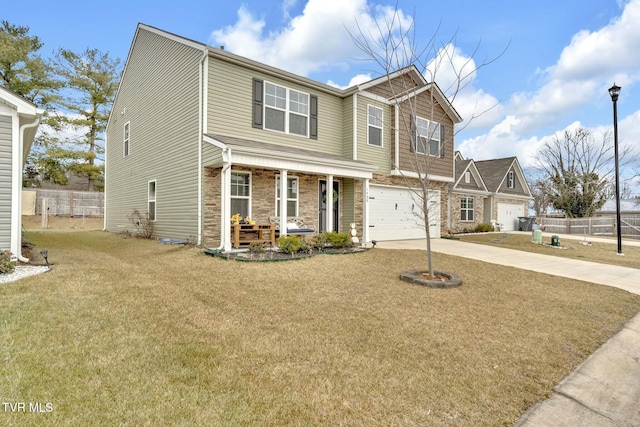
pixel 211 155
pixel 230 104
pixel 159 97
pixel 348 206
pixel 379 156
pixel 347 127
pixel 5 182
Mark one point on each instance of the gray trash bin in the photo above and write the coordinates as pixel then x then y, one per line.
pixel 526 223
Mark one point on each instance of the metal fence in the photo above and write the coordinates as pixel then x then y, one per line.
pixel 594 226
pixel 70 203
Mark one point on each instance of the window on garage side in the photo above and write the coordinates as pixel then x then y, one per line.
pixel 511 182
pixel 241 193
pixel 126 138
pixel 292 196
pixel 151 200
pixel 374 129
pixel 466 209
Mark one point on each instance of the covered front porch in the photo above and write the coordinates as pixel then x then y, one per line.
pixel 248 178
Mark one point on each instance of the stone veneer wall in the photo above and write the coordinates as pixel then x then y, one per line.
pixel 263 200
pixel 458 226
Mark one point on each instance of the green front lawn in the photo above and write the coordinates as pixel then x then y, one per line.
pixel 131 332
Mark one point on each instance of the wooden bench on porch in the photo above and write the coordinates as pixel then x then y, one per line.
pixel 243 235
pixel 295 226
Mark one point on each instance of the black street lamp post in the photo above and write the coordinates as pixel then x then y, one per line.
pixel 614 91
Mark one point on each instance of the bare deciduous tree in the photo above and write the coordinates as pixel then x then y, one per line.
pixel 394 51
pixel 578 170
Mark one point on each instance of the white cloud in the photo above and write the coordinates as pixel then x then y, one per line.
pixel 583 72
pixel 318 39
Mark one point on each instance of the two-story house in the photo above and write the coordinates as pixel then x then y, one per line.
pixel 198 134
pixel 488 190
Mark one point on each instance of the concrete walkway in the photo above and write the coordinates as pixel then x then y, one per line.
pixel 605 390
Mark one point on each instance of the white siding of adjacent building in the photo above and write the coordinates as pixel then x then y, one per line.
pixel 5 181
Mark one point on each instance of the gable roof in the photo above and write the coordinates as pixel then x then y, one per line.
pixel 224 55
pixel 460 167
pixel 494 172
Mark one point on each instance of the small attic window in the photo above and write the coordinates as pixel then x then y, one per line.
pixel 511 182
pixel 467 177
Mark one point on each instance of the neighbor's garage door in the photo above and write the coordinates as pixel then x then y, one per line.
pixel 391 214
pixel 508 214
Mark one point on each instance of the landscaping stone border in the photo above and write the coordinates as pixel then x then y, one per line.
pixel 448 280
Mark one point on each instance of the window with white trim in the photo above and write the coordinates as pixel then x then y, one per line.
pixel 467 177
pixel 286 110
pixel 241 193
pixel 374 128
pixel 427 137
pixel 292 196
pixel 151 200
pixel 466 208
pixel 511 182
pixel 126 138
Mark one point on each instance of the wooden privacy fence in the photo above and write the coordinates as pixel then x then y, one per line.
pixel 593 226
pixel 70 203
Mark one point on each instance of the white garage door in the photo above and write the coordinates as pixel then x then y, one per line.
pixel 508 214
pixel 391 214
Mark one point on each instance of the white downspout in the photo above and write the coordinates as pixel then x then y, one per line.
pixel 18 185
pixel 201 131
pixel 225 208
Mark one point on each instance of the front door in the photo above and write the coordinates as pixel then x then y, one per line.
pixel 322 202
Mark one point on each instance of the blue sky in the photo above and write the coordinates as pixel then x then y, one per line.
pixel 560 58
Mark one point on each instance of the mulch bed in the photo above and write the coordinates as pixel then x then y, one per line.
pixel 275 255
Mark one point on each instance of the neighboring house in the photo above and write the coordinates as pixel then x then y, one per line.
pixel 488 190
pixel 19 121
pixel 197 134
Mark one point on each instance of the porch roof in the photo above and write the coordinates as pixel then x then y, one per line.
pixel 257 154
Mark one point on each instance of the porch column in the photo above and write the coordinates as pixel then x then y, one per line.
pixel 329 204
pixel 225 231
pixel 365 205
pixel 283 202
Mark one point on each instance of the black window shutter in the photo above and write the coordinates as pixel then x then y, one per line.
pixel 313 117
pixel 442 140
pixel 257 103
pixel 412 144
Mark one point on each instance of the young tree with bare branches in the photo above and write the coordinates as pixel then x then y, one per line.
pixel 425 113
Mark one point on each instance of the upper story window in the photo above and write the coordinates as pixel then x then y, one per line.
pixel 374 129
pixel 467 177
pixel 511 182
pixel 126 138
pixel 286 110
pixel 427 137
